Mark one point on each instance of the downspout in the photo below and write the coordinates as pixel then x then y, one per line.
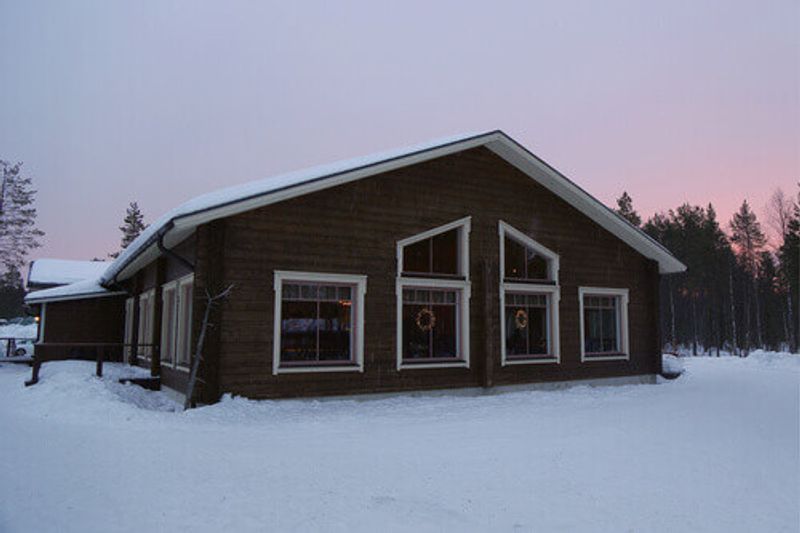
pixel 159 241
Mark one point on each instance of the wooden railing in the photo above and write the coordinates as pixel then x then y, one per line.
pixel 100 352
pixel 8 345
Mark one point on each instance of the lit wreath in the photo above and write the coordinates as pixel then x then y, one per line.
pixel 426 320
pixel 521 319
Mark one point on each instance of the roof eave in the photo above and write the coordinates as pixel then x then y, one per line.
pixel 177 228
pixel 67 297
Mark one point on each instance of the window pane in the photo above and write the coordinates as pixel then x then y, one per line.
pixel 416 335
pixel 185 343
pixel 601 324
pixel 537 266
pixel 328 292
pixel 516 338
pixel 445 253
pixel 334 331
pixel 298 331
pixel 168 326
pixel 537 300
pixel 444 331
pixel 430 324
pixel 609 330
pixel 291 292
pixel 592 323
pixel 317 325
pixel 308 292
pixel 436 255
pixel 526 329
pixel 537 331
pixel 417 257
pixel 514 259
pixel 522 262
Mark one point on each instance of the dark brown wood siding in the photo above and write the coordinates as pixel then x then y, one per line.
pixel 354 228
pixel 87 320
pixel 91 320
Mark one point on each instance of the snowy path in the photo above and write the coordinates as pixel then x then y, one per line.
pixel 717 450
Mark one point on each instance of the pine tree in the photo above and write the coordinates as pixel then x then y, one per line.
pixel 625 209
pixel 132 226
pixel 749 241
pixel 12 292
pixel 696 304
pixel 789 256
pixel 18 232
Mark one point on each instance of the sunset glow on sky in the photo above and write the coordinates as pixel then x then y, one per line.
pixel 108 102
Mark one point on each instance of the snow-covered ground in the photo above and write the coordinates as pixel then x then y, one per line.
pixel 715 450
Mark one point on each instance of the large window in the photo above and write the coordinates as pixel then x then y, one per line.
pixel 527 325
pixel 127 348
pixel 529 297
pixel 430 324
pixel 168 322
pixel 183 343
pixel 604 323
pixel 319 322
pixel 433 292
pixel 146 316
pixel 176 322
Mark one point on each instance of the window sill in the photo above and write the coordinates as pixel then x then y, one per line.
pixel 530 360
pixel 527 281
pixel 440 363
pixel 301 368
pixel 605 357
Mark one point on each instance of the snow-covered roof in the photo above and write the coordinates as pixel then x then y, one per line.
pixel 64 271
pixel 88 288
pixel 179 223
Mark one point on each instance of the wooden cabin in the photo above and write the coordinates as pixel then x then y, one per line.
pixel 467 262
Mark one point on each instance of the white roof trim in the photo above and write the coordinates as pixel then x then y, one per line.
pixel 182 221
pixel 561 186
pixel 89 288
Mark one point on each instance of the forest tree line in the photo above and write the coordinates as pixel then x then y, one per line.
pixel 740 289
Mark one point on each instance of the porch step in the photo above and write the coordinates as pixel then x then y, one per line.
pixel 148 383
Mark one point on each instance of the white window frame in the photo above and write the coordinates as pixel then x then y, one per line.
pixel 553 292
pixel 146 319
pixel 166 313
pixel 359 283
pixel 178 309
pixel 127 338
pixel 461 286
pixel 181 309
pixel 622 326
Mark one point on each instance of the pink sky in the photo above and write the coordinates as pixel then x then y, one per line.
pixel 108 102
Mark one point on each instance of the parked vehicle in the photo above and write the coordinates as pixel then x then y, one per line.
pixel 24 347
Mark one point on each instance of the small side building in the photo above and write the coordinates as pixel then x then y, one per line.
pixel 77 319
